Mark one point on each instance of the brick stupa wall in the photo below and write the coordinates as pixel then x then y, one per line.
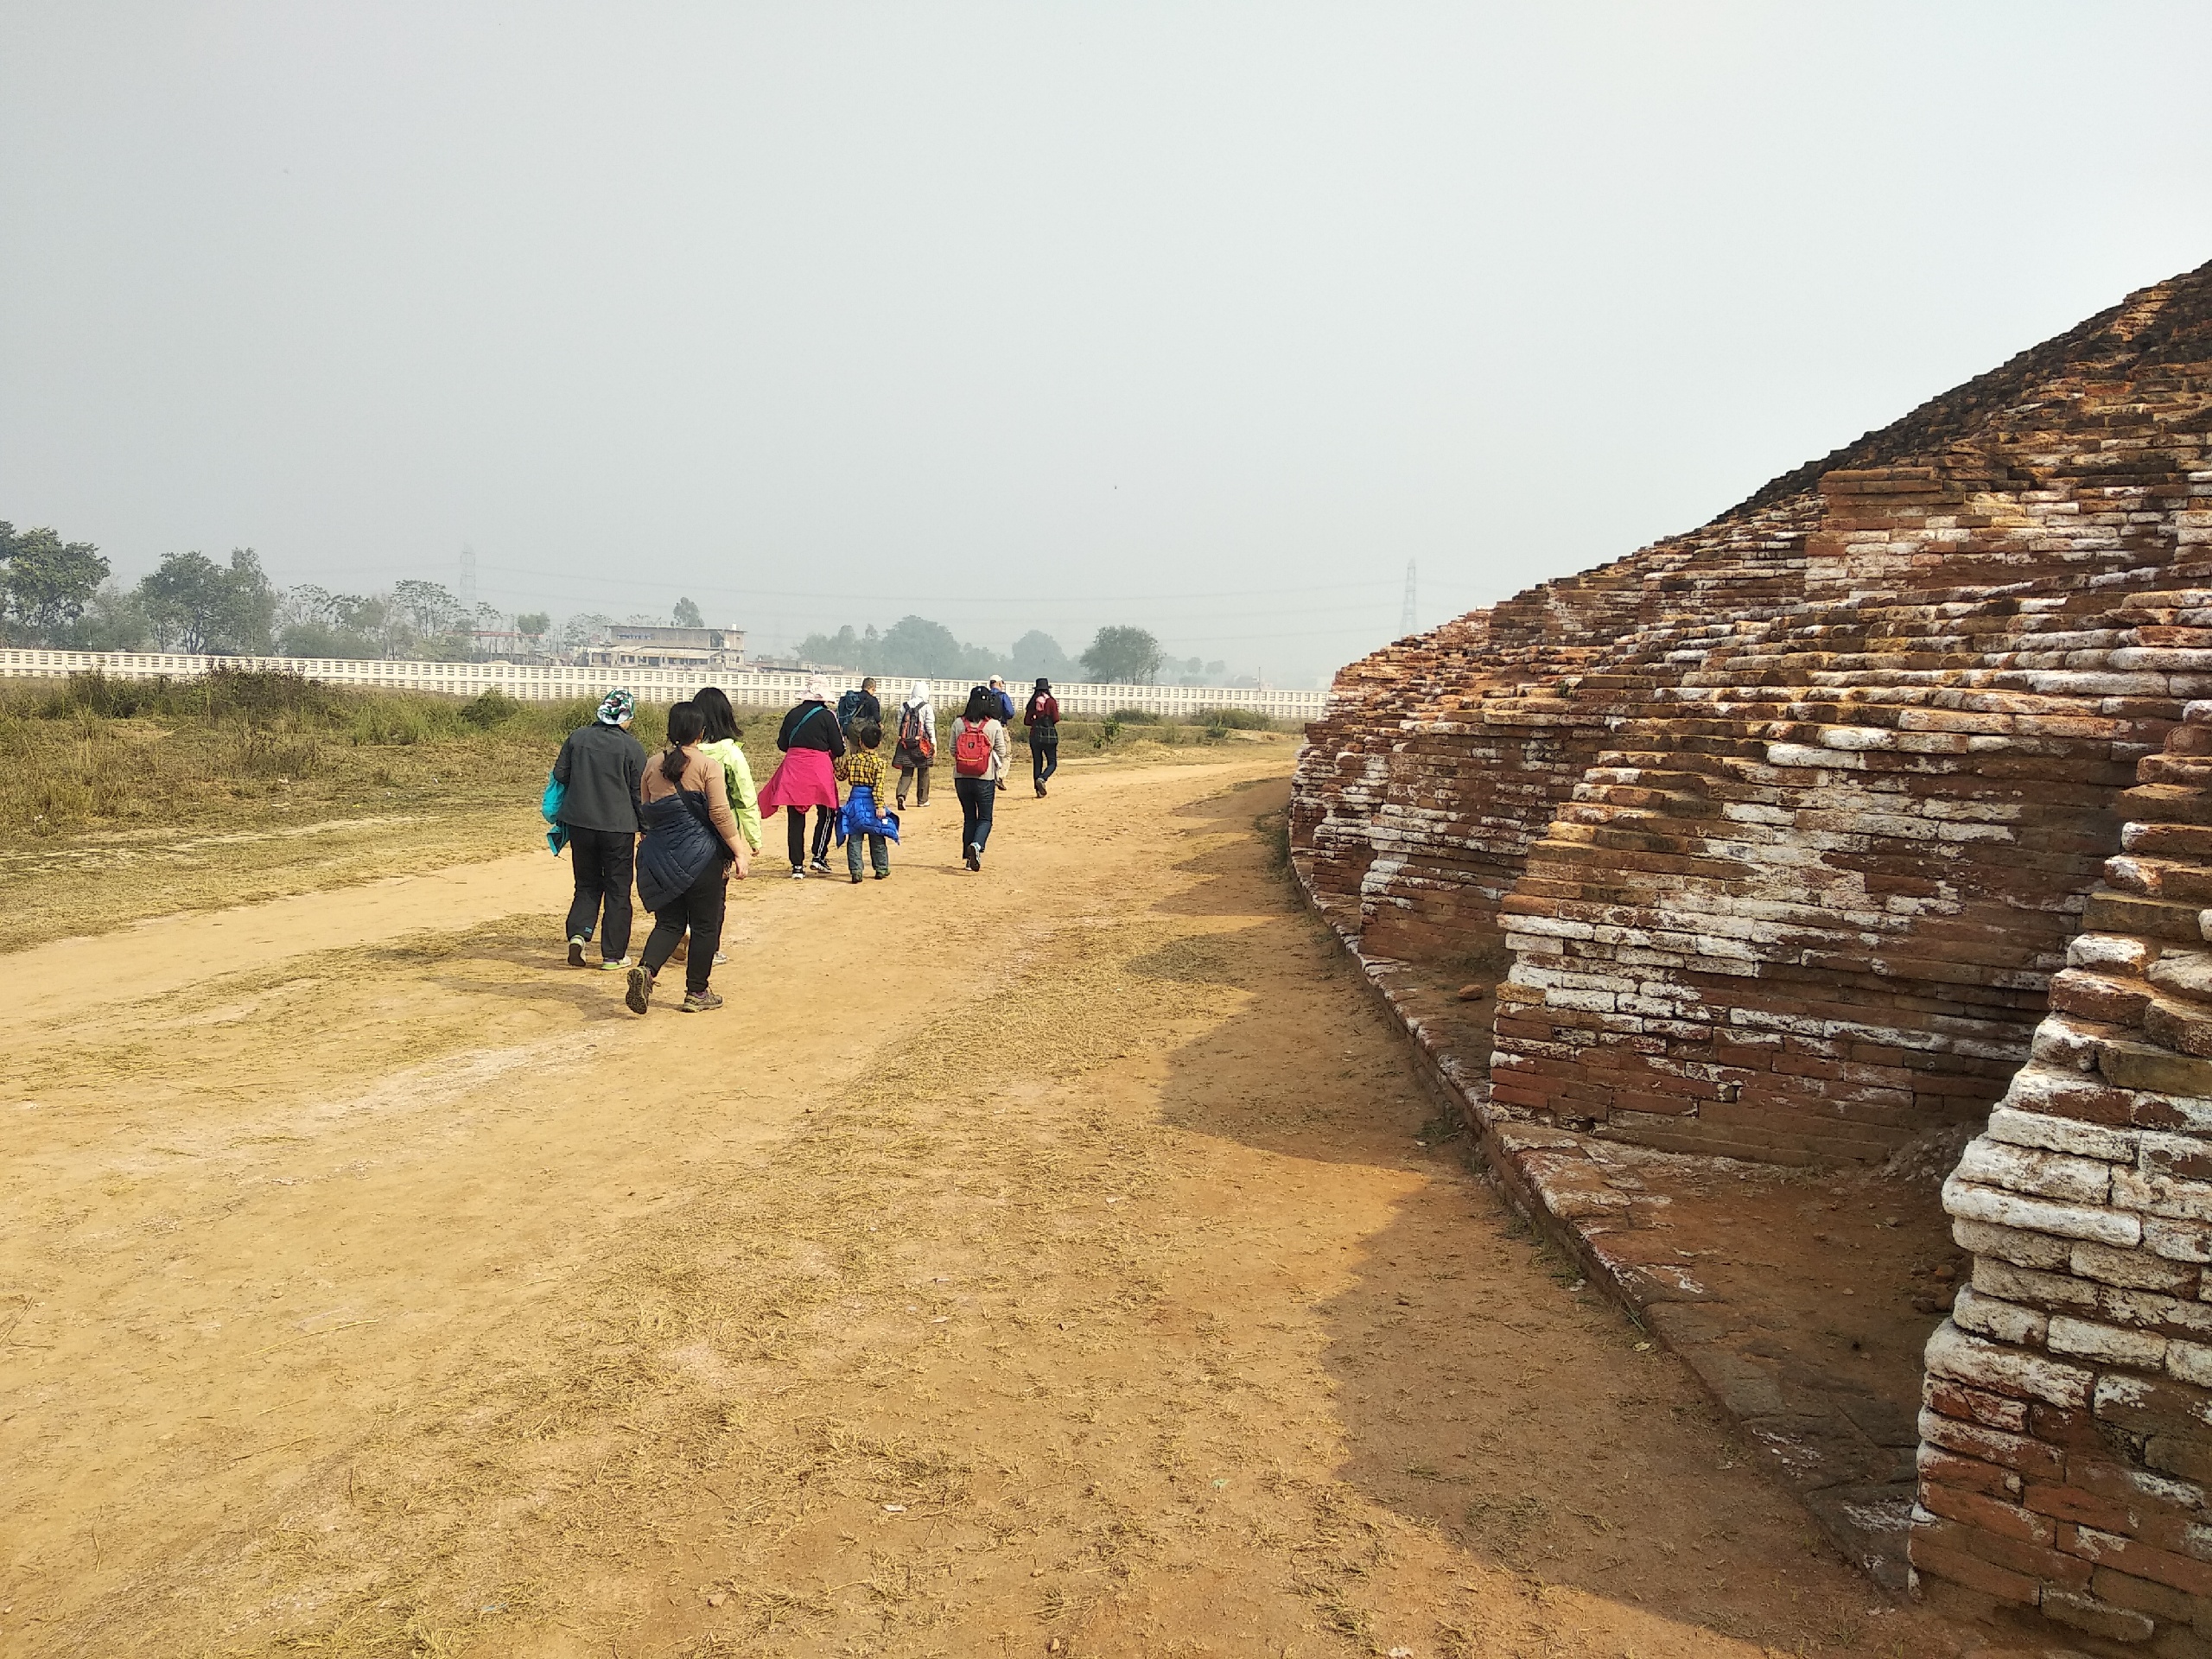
pixel 1789 828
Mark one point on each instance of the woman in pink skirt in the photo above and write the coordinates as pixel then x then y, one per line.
pixel 812 742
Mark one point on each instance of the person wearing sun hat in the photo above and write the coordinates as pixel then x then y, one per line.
pixel 600 769
pixel 811 741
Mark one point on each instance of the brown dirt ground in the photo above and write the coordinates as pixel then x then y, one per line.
pixel 1042 1262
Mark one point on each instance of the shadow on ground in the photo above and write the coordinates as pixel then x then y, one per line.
pixel 1482 1390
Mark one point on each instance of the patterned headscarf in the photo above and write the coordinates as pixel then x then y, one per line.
pixel 616 708
pixel 817 689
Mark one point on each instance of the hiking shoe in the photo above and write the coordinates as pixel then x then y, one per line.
pixel 700 1002
pixel 639 996
pixel 856 880
pixel 883 875
pixel 576 952
pixel 616 966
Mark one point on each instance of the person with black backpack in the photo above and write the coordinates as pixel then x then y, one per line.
pixel 1042 717
pixel 914 750
pixel 692 848
pixel 979 753
pixel 858 708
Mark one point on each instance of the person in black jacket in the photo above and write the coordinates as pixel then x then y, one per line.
pixel 810 739
pixel 600 768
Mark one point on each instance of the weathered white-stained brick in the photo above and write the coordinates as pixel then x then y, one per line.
pixel 1585 1002
pixel 2168 1196
pixel 2067 1134
pixel 2109 952
pixel 2027 1288
pixel 2187 972
pixel 1985 1240
pixel 2172 1155
pixel 2149 1307
pixel 2062 1041
pixel 2178 1241
pixel 2001 1321
pixel 1858 737
pixel 2090 1340
pixel 2117 1393
pixel 2053 1091
pixel 2028 1169
pixel 1803 754
pixel 2190 1361
pixel 1992 1203
pixel 1965 1358
pixel 2136 1269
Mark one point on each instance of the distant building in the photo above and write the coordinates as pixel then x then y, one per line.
pixel 630 645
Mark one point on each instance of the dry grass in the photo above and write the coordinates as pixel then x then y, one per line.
pixel 144 798
pixel 90 753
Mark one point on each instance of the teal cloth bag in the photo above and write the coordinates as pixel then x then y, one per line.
pixel 556 834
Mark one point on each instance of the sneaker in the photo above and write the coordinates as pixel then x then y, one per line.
pixel 856 880
pixel 883 875
pixel 720 958
pixel 797 874
pixel 819 866
pixel 974 858
pixel 576 952
pixel 615 967
pixel 639 996
pixel 700 1002
pixel 1040 791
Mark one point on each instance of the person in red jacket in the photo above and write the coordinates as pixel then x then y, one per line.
pixel 1042 717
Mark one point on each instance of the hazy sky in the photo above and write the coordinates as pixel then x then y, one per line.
pixel 1202 317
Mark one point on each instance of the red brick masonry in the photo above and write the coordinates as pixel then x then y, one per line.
pixel 1792 830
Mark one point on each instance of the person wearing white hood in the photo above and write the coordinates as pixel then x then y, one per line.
pixel 914 749
pixel 810 741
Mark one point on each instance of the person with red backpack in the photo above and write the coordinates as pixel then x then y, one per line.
pixel 913 751
pixel 980 753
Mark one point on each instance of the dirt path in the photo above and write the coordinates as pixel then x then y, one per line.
pixel 1045 1258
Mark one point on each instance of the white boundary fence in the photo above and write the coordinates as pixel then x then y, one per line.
pixel 547 683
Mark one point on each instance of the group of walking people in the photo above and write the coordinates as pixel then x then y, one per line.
pixel 695 807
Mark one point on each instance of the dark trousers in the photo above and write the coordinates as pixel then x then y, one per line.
pixel 1043 758
pixel 795 832
pixel 919 777
pixel 701 910
pixel 977 795
pixel 605 860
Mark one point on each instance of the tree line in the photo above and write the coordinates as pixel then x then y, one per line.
pixel 916 647
pixel 59 594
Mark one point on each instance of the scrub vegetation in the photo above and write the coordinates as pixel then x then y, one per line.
pixel 91 750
